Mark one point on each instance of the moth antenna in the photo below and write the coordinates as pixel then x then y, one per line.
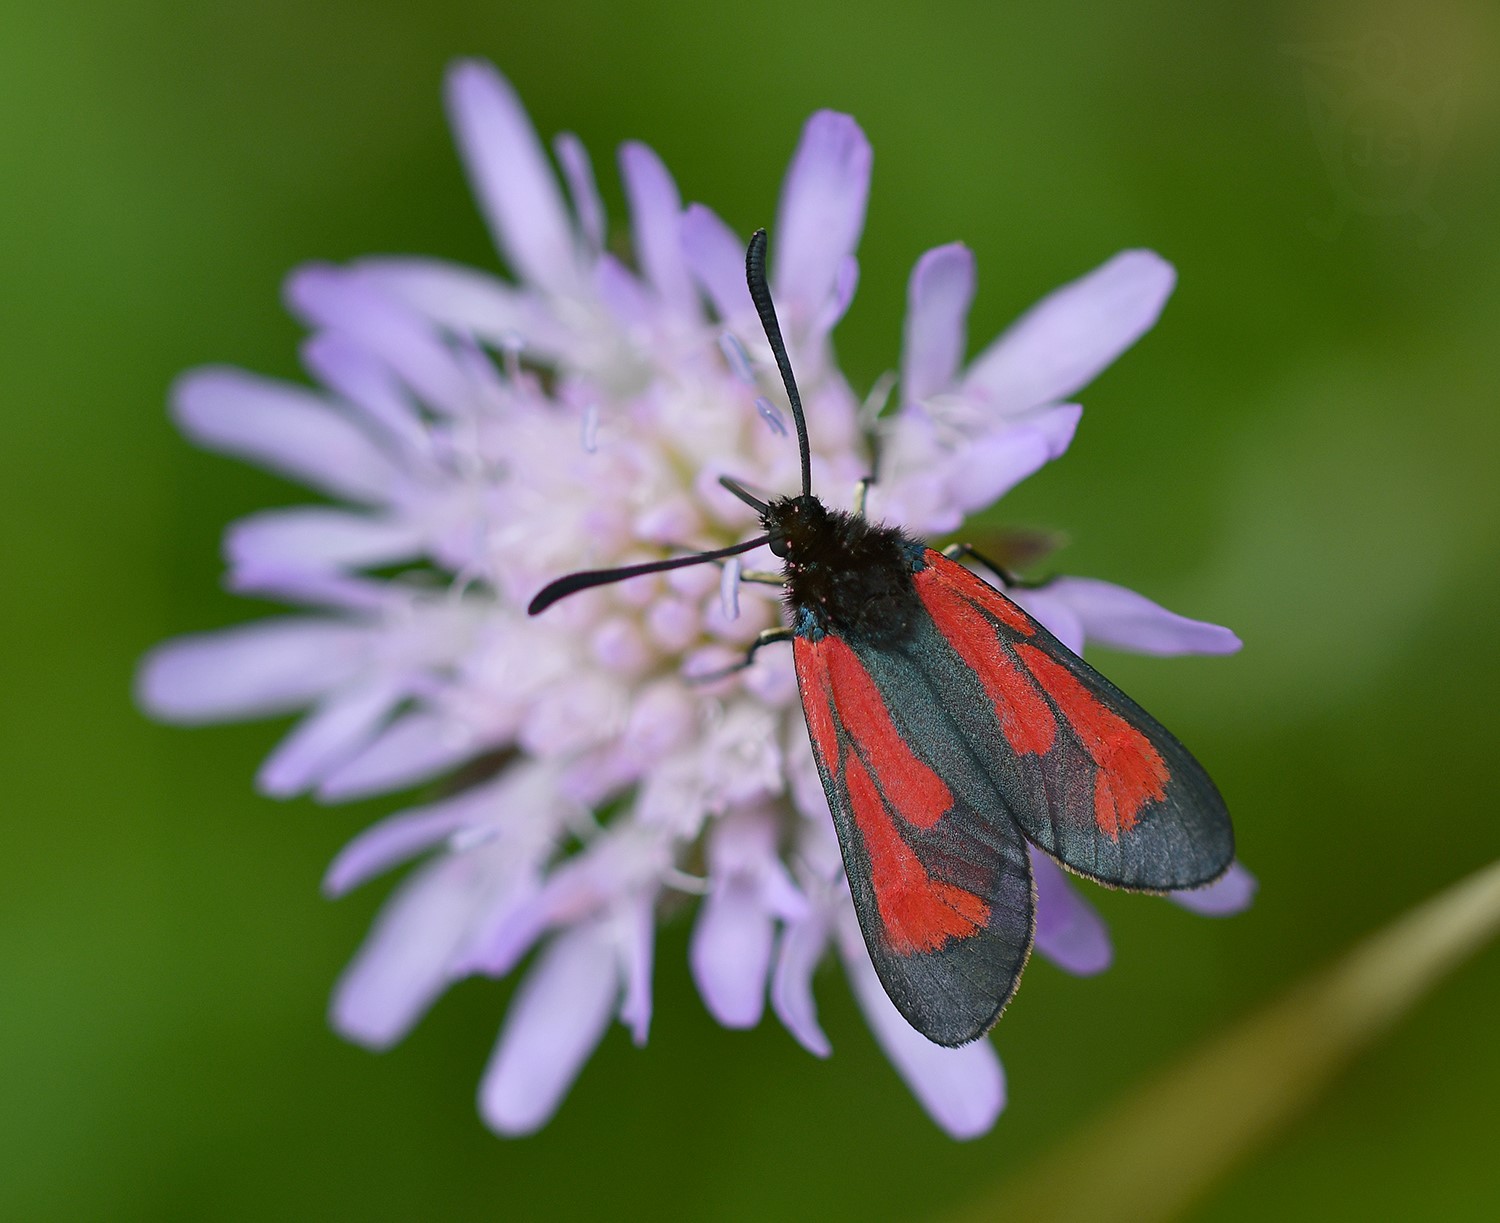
pixel 586 580
pixel 740 491
pixel 760 294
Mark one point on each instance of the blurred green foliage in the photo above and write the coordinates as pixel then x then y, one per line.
pixel 1304 449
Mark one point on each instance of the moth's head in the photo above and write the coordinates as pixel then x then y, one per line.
pixel 794 524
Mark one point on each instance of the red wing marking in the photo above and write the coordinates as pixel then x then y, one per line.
pixel 941 572
pixel 1025 717
pixel 917 912
pixel 817 703
pixel 917 794
pixel 1130 771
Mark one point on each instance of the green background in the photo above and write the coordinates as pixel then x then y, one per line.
pixel 1304 449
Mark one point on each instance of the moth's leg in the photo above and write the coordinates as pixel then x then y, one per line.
pixel 767 637
pixel 861 492
pixel 763 577
pixel 869 425
pixel 954 551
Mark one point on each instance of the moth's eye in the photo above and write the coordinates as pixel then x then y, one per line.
pixel 778 545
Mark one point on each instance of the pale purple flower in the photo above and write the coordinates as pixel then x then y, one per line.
pixel 479 437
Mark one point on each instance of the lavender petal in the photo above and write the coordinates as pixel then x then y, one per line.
pixel 797 955
pixel 656 216
pixel 962 1089
pixel 583 189
pixel 822 211
pixel 283 427
pixel 1229 894
pixel 1069 931
pixel 367 384
pixel 556 1020
pixel 254 671
pixel 1114 616
pixel 995 462
pixel 412 748
pixel 937 311
pixel 730 952
pixel 318 537
pixel 637 923
pixel 1067 338
pixel 327 737
pixel 836 304
pixel 347 304
pixel 1055 615
pixel 716 257
pixel 402 836
pixel 511 178
pixel 404 962
pixel 467 301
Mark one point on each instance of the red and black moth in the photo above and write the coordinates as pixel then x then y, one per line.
pixel 950 730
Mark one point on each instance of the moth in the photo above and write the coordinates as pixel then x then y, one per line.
pixel 951 730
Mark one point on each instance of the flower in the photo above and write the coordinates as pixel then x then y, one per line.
pixel 478 437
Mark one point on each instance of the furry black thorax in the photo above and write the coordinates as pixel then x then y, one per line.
pixel 844 574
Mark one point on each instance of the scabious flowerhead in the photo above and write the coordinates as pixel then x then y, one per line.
pixel 476 438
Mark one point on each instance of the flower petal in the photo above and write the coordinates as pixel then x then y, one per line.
pixel 656 224
pixel 622 294
pixel 822 211
pixel 1227 895
pixel 404 835
pixel 254 671
pixel 283 427
pixel 797 957
pixel 467 301
pixel 368 384
pixel 962 1089
pixel 937 311
pixel 1066 339
pixel 412 748
pixel 1069 931
pixel 316 537
pixel 1114 616
pixel 716 257
pixel 1056 615
pixel 578 171
pixel 836 304
pixel 349 305
pixel 994 463
pixel 636 922
pixel 318 588
pixel 405 961
pixel 338 728
pixel 555 1022
pixel 515 186
pixel 730 952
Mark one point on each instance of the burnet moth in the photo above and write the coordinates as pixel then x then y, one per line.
pixel 950 730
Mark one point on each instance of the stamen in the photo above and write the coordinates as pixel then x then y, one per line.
pixel 684 882
pixel 729 589
pixel 771 415
pixel 737 358
pixel 470 576
pixel 472 837
pixel 878 397
pixel 511 345
pixel 590 429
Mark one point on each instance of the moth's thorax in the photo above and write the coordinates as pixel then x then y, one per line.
pixel 844 574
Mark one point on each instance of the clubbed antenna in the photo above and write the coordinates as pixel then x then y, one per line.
pixel 575 582
pixel 760 294
pixel 755 277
